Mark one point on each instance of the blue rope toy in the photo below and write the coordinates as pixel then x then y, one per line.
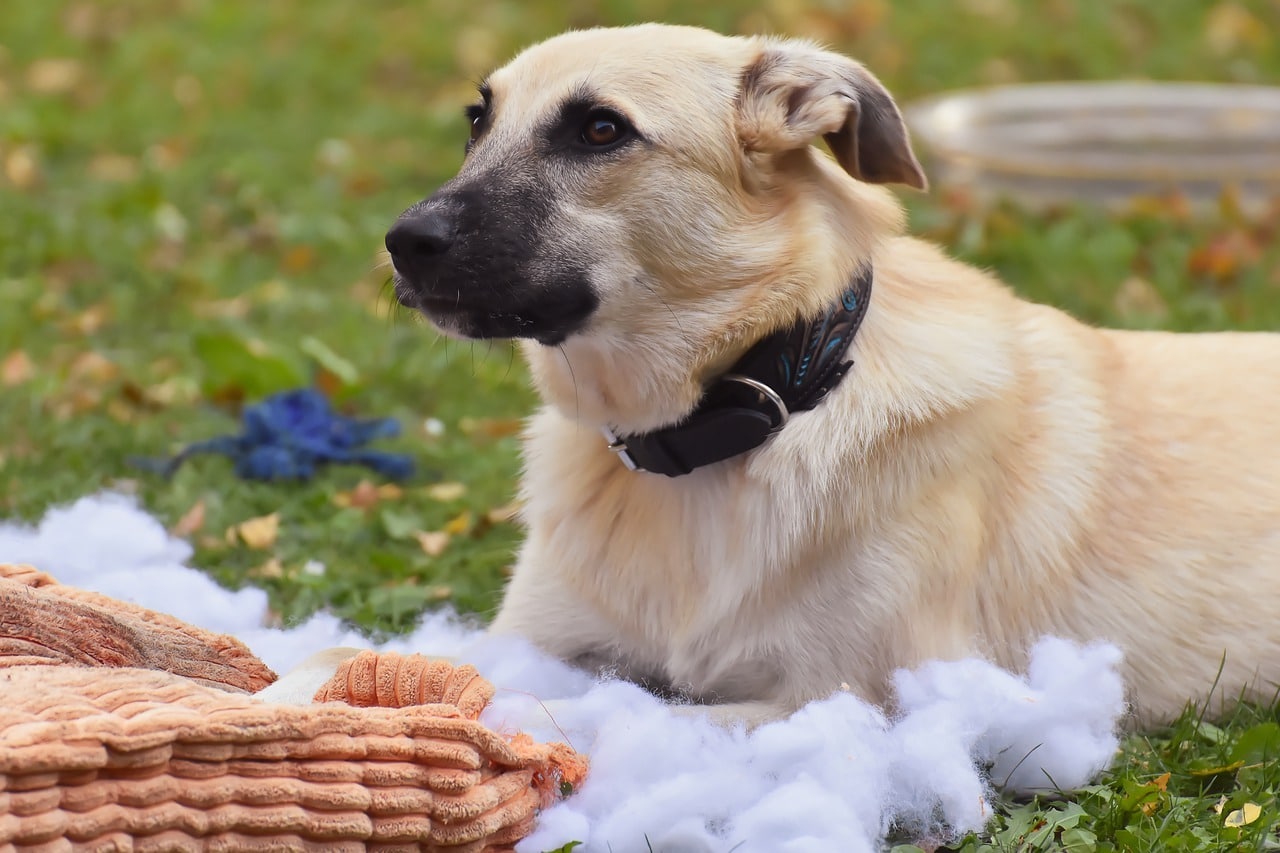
pixel 287 435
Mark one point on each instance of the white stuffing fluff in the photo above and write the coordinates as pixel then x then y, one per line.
pixel 836 775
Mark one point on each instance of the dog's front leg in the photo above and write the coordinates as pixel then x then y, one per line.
pixel 299 685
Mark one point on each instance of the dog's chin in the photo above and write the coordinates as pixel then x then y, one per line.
pixel 546 314
pixel 485 323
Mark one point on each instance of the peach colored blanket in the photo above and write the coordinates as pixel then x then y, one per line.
pixel 124 729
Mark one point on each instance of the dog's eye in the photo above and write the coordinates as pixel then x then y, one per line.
pixel 475 114
pixel 603 128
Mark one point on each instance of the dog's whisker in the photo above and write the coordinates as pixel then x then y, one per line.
pixel 577 408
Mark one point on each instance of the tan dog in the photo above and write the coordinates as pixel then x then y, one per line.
pixel 642 206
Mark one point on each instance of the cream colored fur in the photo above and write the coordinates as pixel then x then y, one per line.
pixel 989 471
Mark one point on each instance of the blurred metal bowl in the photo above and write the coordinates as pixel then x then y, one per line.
pixel 1108 143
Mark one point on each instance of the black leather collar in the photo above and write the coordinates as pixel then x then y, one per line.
pixel 789 371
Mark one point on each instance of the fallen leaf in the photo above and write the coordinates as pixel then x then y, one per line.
pixel 258 533
pixel 1243 816
pixel 88 321
pixel 192 521
pixel 1224 256
pixel 459 524
pixel 234 308
pixel 75 400
pixel 433 543
pixel 94 366
pixel 121 412
pixel 166 155
pixel 446 491
pixel 1229 27
pixel 17 368
pixel 363 183
pixel 54 75
pixel 298 259
pixel 22 167
pixel 1138 297
pixel 114 168
pixel 176 390
pixel 506 512
pixel 490 427
pixel 188 91
pixel 366 495
pixel 272 568
pixel 363 496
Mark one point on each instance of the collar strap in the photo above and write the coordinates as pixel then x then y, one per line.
pixel 787 372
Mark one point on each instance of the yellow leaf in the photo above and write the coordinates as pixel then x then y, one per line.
pixel 259 533
pixel 1161 782
pixel 1244 815
pixel 270 569
pixel 446 491
pixel 434 543
pixel 459 525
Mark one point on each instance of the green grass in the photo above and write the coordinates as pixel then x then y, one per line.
pixel 192 196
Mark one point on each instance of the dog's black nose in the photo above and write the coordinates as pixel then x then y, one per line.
pixel 418 236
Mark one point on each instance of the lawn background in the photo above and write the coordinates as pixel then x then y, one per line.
pixel 192 199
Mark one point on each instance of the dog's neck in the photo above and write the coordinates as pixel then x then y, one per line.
pixel 738 408
pixel 787 372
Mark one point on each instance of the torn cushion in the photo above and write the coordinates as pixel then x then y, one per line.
pixel 109 757
pixel 45 623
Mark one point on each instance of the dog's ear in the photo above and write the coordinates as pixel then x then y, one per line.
pixel 795 92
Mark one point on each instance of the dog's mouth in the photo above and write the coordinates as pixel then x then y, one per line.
pixel 548 319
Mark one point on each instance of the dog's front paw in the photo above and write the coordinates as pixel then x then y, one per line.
pixel 299 685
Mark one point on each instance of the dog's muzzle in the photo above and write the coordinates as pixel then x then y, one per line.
pixel 470 262
pixel 418 240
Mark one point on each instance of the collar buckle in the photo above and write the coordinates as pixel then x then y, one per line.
pixel 766 393
pixel 618 446
pixel 789 371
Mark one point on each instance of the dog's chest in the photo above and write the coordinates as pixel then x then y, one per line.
pixel 683 571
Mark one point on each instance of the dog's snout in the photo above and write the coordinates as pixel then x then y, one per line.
pixel 420 236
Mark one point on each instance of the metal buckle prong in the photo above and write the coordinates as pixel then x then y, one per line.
pixel 619 447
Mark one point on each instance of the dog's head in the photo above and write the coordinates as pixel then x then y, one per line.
pixel 652 192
